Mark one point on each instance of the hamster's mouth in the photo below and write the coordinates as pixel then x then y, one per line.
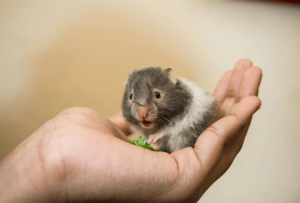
pixel 146 124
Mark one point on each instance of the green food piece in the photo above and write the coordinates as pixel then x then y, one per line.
pixel 132 142
pixel 141 142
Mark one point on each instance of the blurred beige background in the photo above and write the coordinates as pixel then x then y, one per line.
pixel 59 54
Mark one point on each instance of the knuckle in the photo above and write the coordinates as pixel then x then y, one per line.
pixel 50 125
pixel 74 110
pixel 231 93
pixel 238 149
pixel 234 116
pixel 238 99
pixel 214 131
pixel 235 152
pixel 82 112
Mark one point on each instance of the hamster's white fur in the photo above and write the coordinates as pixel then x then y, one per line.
pixel 201 102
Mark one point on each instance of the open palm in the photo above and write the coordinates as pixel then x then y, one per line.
pixel 81 156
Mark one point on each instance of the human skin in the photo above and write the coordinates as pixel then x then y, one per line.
pixel 81 156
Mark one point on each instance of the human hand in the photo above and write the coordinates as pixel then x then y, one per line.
pixel 80 156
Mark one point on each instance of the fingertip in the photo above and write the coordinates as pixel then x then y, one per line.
pixel 256 101
pixel 252 101
pixel 258 73
pixel 244 62
pixel 118 118
pixel 227 74
pixel 119 121
pixel 255 71
pixel 250 83
pixel 258 70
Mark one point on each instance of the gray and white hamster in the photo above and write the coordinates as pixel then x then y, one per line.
pixel 171 112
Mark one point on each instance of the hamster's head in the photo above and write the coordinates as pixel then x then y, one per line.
pixel 153 98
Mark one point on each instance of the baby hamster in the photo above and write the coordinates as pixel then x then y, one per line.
pixel 171 112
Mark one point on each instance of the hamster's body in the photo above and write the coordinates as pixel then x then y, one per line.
pixel 176 118
pixel 184 131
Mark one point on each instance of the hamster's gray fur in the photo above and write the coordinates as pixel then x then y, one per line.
pixel 173 112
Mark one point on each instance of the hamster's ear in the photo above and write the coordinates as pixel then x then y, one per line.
pixel 170 75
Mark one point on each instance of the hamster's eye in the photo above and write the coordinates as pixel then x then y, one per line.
pixel 130 97
pixel 157 95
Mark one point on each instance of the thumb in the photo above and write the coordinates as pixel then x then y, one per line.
pixel 120 122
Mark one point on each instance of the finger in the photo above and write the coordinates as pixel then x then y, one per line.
pixel 237 77
pixel 210 145
pixel 120 122
pixel 250 83
pixel 234 84
pixel 221 89
pixel 249 86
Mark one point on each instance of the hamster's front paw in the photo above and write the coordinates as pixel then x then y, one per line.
pixel 154 138
pixel 151 139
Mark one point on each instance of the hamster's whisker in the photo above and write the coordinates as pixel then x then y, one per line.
pixel 163 118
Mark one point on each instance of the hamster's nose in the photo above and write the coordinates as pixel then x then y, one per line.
pixel 143 112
